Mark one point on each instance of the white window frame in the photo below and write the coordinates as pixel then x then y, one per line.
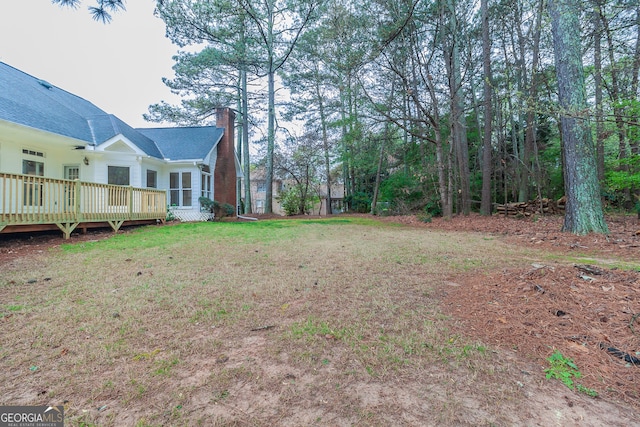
pixel 180 193
pixel 205 185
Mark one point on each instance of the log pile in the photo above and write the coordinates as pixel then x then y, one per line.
pixel 533 207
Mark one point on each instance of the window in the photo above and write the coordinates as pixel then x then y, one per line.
pixel 152 179
pixel 32 153
pixel 31 167
pixel 32 187
pixel 206 185
pixel 180 188
pixel 259 206
pixel 72 172
pixel 118 175
pixel 262 186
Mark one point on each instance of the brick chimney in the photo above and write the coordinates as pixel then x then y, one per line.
pixel 224 175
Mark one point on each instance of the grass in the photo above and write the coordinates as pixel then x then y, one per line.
pixel 249 323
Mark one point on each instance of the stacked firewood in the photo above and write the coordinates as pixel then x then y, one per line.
pixel 533 207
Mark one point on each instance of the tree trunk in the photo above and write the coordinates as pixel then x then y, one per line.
pixel 614 92
pixel 444 169
pixel 239 138
pixel 583 212
pixel 325 141
pixel 458 128
pixel 597 77
pixel 485 202
pixel 530 140
pixel 245 145
pixel 374 200
pixel 345 149
pixel 271 136
pixel 525 139
pixel 635 145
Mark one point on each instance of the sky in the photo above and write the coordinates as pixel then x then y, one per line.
pixel 117 66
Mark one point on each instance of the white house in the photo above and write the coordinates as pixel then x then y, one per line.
pixel 49 133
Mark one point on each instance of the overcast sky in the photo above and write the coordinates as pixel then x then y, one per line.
pixel 117 66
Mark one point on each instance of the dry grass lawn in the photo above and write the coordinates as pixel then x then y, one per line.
pixel 275 323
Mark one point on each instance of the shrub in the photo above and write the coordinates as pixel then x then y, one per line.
pixel 293 203
pixel 359 202
pixel 206 204
pixel 219 210
pixel 170 215
pixel 403 192
pixel 433 208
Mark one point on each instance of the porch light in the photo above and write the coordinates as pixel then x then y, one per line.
pixel 86 160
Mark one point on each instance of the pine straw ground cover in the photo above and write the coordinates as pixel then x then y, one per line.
pixel 346 321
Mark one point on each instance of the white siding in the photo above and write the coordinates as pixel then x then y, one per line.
pixel 54 159
pixel 101 164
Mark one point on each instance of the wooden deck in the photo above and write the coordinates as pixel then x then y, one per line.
pixel 29 203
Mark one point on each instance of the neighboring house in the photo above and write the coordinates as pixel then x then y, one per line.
pixel 337 199
pixel 50 133
pixel 259 192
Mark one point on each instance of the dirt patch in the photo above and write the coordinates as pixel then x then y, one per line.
pixel 19 245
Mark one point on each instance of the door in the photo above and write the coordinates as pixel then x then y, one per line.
pixel 33 194
pixel 71 173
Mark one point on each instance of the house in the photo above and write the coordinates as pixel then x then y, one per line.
pixel 258 188
pixel 280 185
pixel 51 139
pixel 337 199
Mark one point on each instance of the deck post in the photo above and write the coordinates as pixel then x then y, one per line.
pixel 67 228
pixel 78 210
pixel 115 225
pixel 130 202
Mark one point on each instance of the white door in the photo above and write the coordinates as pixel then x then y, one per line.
pixel 72 173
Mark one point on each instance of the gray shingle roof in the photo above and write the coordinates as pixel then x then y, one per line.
pixel 186 143
pixel 31 102
pixel 35 103
pixel 141 141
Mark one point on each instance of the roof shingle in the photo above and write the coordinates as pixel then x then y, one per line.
pixel 31 102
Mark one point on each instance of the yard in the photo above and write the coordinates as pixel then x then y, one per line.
pixel 339 322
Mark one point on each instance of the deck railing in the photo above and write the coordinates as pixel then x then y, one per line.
pixel 28 200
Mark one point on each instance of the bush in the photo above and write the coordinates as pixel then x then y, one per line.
pixel 403 192
pixel 359 202
pixel 170 215
pixel 219 210
pixel 226 210
pixel 293 203
pixel 206 204
pixel 433 208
